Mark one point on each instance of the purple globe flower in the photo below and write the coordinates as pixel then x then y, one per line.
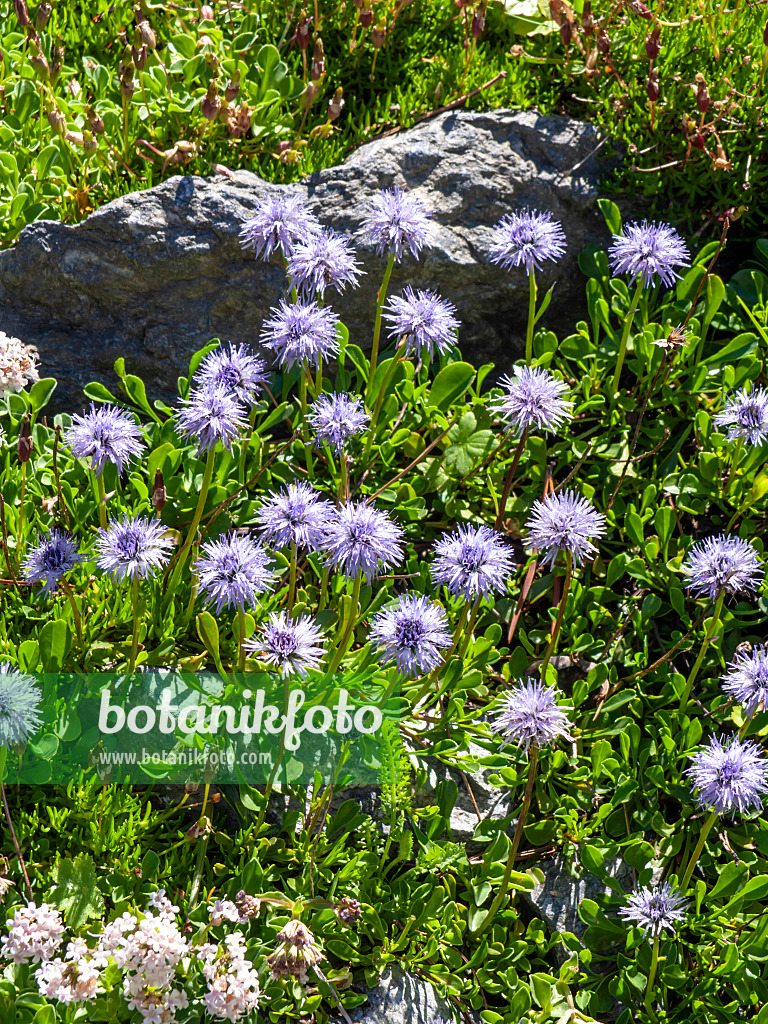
pixel 301 333
pixel 297 515
pixel 281 222
pixel 473 562
pixel 397 221
pixel 653 910
pixel 292 645
pixel 424 319
pixel 326 260
pixel 106 434
pixel 20 699
pixel 336 418
pixel 233 571
pixel 729 776
pixel 211 415
pixel 722 563
pixel 745 414
pixel 133 547
pixel 237 370
pixel 527 238
pixel 362 539
pixel 56 554
pixel 747 679
pixel 647 251
pixel 413 633
pixel 564 522
pixel 533 400
pixel 529 714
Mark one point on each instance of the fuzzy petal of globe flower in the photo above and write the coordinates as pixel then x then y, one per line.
pixel 722 563
pixel 745 414
pixel 654 909
pixel 56 553
pixel 527 239
pixel 233 571
pixel 729 776
pixel 336 418
pixel 296 515
pixel 280 222
pixel 649 251
pixel 210 415
pixel 237 369
pixel 529 714
pixel 17 364
pixel 473 562
pixel 105 434
pixel 20 699
pixel 747 679
pixel 362 539
pixel 395 222
pixel 425 321
pixel 564 522
pixel 301 334
pixel 413 633
pixel 294 646
pixel 133 547
pixel 327 260
pixel 533 400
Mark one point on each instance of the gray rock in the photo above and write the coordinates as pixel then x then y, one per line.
pixel 154 275
pixel 400 998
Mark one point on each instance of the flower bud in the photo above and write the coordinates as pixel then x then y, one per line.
pixel 603 41
pixel 148 37
pixel 126 81
pixel 210 771
pixel 652 47
pixel 39 63
pixel 232 87
pixel 248 906
pixel 379 34
pixel 158 492
pixel 587 20
pixel 206 13
pixel 239 121
pixel 211 102
pixel 95 123
pixel 190 788
pixel 698 141
pixel 478 22
pixel 303 32
pixel 566 33
pixel 322 131
pixel 56 120
pixel 335 104
pixel 90 145
pixel 318 60
pixel 347 910
pixel 57 60
pixel 297 951
pixel 703 100
pixel 139 57
pixel 25 445
pixel 366 16
pixel 652 85
pixel 42 16
pixel 21 12
pixel 556 12
pixel 637 7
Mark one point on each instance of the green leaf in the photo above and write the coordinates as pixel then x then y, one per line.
pixel 28 654
pixel 45 747
pixel 99 393
pixel 45 1015
pixel 449 385
pixel 55 640
pixel 467 446
pixel 76 892
pixel 208 631
pixel 611 214
pixel 728 882
pixel 134 388
pixel 592 859
pixel 40 393
pixel 755 889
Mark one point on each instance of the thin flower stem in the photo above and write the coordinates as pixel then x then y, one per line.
pixel 319 378
pixel 348 626
pixel 240 640
pixel 533 758
pixel 469 630
pixel 625 336
pixel 508 482
pixel 396 358
pixel 303 401
pixel 705 828
pixel 734 465
pixel 292 578
pixel 11 829
pixel 102 493
pixel 651 975
pixel 192 532
pixel 276 763
pixel 560 613
pixel 246 446
pixel 75 611
pixel 531 317
pixel 135 637
pixel 377 323
pixel 344 483
pixel 713 624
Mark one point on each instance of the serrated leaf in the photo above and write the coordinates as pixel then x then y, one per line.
pixel 76 893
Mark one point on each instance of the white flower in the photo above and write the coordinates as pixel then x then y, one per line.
pixel 17 364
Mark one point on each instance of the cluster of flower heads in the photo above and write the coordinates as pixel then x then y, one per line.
pixel 18 366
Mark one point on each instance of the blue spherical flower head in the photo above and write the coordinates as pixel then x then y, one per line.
pixel 533 400
pixel 648 251
pixel 425 321
pixel 529 715
pixel 56 554
pixel 236 369
pixel 301 334
pixel 20 699
pixel 747 679
pixel 745 414
pixel 397 221
pixel 105 434
pixel 294 646
pixel 336 418
pixel 326 260
pixel 654 909
pixel 722 563
pixel 280 222
pixel 296 515
pixel 527 239
pixel 729 776
pixel 210 415
pixel 362 539
pixel 133 547
pixel 473 562
pixel 233 571
pixel 564 522
pixel 413 633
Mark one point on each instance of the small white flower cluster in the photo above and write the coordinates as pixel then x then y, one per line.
pixel 35 934
pixel 74 979
pixel 17 364
pixel 233 984
pixel 224 910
